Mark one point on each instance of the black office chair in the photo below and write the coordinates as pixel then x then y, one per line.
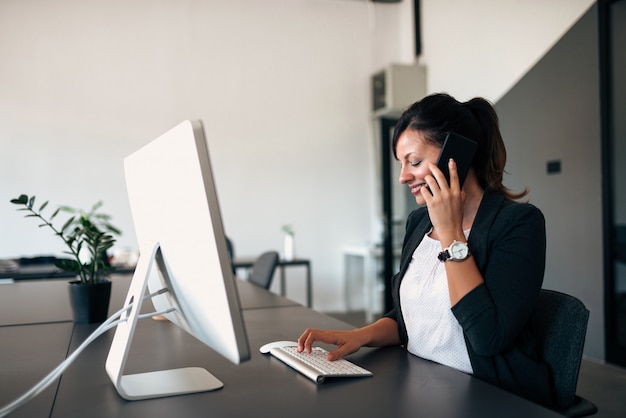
pixel 230 249
pixel 231 253
pixel 263 269
pixel 559 323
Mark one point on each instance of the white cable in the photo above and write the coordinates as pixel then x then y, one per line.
pixel 54 374
pixel 149 315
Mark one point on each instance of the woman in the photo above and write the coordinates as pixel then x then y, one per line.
pixel 472 313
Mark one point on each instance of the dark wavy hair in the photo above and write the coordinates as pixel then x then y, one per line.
pixel 439 114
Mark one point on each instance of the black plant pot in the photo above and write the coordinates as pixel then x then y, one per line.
pixel 90 302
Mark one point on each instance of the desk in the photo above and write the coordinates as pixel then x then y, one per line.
pixel 248 262
pixel 48 271
pixel 402 386
pixel 47 301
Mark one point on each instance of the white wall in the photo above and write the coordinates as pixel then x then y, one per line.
pixel 283 89
pixel 281 85
pixel 483 47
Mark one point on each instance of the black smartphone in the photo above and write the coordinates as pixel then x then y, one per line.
pixel 462 150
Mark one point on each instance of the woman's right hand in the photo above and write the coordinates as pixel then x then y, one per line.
pixel 347 342
pixel 381 333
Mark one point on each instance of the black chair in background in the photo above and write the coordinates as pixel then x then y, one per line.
pixel 560 324
pixel 231 253
pixel 263 269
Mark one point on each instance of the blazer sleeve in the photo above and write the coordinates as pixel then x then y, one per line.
pixel 494 313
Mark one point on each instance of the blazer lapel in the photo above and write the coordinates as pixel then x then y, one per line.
pixel 423 226
pixel 478 238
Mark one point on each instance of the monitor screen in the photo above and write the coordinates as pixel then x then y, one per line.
pixel 183 249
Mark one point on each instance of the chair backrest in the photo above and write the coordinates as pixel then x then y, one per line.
pixel 559 322
pixel 263 269
pixel 231 253
pixel 230 249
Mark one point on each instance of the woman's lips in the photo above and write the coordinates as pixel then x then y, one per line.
pixel 416 189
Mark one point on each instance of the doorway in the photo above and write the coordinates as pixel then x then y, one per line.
pixel 612 27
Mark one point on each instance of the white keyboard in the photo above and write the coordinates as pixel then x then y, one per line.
pixel 315 365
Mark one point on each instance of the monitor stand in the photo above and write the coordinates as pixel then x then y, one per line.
pixel 150 384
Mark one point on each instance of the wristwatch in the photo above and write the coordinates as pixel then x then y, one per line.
pixel 457 251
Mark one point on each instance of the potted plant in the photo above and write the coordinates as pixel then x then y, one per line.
pixel 87 236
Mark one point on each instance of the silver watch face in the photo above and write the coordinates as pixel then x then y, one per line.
pixel 459 251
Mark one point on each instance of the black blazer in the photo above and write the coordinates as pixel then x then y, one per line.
pixel 508 243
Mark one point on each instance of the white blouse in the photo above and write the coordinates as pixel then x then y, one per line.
pixel 434 332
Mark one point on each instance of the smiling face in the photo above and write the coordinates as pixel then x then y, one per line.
pixel 414 154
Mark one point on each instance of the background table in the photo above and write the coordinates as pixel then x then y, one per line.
pixel 248 262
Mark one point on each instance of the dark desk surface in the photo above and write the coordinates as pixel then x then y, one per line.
pixel 45 271
pixel 27 354
pixel 45 301
pixel 402 385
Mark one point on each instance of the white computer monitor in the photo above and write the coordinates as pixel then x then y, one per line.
pixel 183 249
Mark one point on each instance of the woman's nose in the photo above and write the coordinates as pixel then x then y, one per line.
pixel 405 175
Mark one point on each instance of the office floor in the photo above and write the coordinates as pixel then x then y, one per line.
pixel 603 384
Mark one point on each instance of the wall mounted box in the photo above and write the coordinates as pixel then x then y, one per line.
pixel 396 87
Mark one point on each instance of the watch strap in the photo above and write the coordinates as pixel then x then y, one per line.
pixel 445 255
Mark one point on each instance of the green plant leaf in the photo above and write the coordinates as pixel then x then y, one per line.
pixel 22 200
pixel 68 264
pixel 112 229
pixel 90 232
pixel 67 224
pixel 96 206
pixel 66 209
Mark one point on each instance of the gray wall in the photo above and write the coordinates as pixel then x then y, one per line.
pixel 552 113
